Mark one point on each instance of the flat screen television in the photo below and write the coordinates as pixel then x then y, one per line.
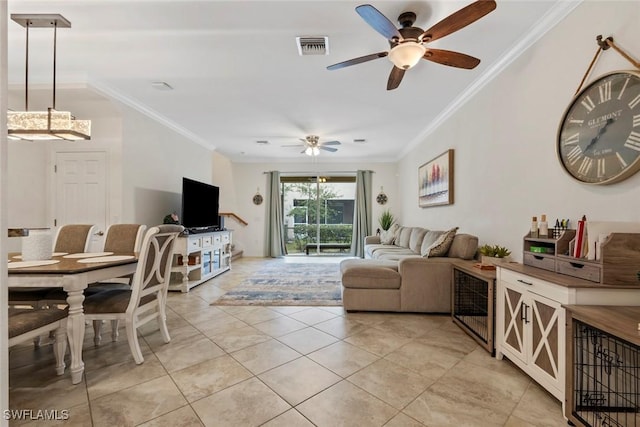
pixel 199 205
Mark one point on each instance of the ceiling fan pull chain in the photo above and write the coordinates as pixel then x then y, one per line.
pixel 604 44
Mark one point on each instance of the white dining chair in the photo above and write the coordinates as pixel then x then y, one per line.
pixel 29 324
pixel 146 300
pixel 73 238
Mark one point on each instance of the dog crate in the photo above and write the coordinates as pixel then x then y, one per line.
pixel 605 389
pixel 473 303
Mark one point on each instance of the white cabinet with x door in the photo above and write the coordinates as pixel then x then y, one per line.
pixel 530 318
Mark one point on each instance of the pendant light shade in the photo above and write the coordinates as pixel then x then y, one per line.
pixel 50 124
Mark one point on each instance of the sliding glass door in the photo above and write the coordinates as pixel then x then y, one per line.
pixel 318 213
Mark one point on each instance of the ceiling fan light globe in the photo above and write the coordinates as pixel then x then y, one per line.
pixel 406 55
pixel 315 151
pixel 308 151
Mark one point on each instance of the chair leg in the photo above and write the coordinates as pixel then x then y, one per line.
pixel 97 331
pixel 162 320
pixel 134 345
pixel 114 330
pixel 60 348
pixel 36 341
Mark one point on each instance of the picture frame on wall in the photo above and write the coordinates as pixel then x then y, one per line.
pixel 435 181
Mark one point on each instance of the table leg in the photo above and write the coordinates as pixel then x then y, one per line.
pixel 75 332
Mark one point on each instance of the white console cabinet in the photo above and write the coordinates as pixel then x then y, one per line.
pixel 199 257
pixel 530 318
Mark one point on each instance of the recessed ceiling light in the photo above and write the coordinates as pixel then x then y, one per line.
pixel 161 86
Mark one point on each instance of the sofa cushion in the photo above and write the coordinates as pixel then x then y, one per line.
pixel 441 246
pixel 369 274
pixel 397 256
pixel 403 237
pixel 387 237
pixel 370 250
pixel 415 240
pixel 464 246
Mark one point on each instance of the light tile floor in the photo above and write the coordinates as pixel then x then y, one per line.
pixel 283 366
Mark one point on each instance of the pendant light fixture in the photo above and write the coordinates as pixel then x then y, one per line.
pixel 50 124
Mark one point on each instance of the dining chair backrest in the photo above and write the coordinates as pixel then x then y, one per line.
pixel 73 238
pixel 151 279
pixel 124 238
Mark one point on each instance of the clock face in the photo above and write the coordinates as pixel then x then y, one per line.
pixel 599 135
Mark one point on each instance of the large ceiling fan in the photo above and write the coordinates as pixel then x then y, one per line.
pixel 312 145
pixel 408 44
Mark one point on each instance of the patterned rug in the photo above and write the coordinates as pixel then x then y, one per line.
pixel 288 284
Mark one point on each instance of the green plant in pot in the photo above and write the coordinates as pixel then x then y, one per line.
pixel 491 252
pixel 386 220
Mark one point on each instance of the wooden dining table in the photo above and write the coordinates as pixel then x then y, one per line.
pixel 73 275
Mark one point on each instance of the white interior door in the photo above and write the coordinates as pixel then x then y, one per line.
pixel 81 191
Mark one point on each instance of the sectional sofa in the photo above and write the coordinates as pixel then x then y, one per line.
pixel 407 269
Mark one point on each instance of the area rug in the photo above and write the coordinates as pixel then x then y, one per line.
pixel 288 284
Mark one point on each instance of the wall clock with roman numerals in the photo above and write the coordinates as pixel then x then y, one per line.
pixel 599 135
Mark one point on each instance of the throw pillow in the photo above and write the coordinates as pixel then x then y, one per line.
pixel 389 236
pixel 428 240
pixel 441 246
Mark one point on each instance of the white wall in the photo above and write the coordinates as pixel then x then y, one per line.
pixel 506 168
pixel 155 159
pixel 248 177
pixel 146 163
pixel 30 164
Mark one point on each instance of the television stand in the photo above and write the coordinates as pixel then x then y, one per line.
pixel 201 230
pixel 199 257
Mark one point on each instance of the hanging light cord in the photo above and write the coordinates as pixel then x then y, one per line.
pixel 26 66
pixel 604 45
pixel 26 71
pixel 55 44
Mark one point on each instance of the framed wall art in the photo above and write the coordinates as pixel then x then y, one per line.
pixel 435 181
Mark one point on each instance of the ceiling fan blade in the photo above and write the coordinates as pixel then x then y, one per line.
pixel 322 147
pixel 450 58
pixel 330 143
pixel 395 78
pixel 459 19
pixel 359 60
pixel 378 21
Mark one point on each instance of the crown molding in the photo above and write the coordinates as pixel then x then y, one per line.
pixel 111 93
pixel 552 18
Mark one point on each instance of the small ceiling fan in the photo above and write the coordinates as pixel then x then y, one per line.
pixel 312 145
pixel 408 44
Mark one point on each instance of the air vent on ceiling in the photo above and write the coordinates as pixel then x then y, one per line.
pixel 262 142
pixel 317 45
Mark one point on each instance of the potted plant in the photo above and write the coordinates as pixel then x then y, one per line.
pixel 492 253
pixel 386 220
